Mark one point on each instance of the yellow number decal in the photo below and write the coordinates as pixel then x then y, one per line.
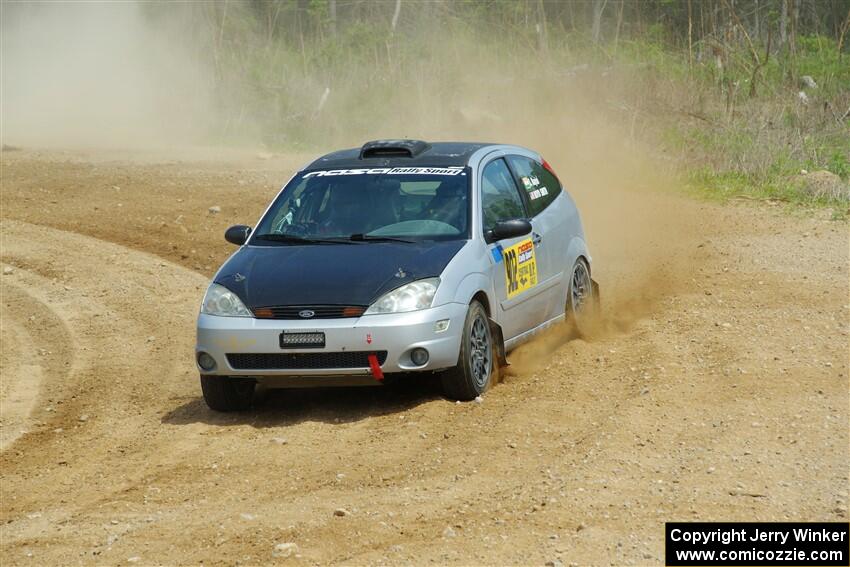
pixel 520 267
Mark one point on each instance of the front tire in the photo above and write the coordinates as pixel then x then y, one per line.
pixel 476 365
pixel 223 393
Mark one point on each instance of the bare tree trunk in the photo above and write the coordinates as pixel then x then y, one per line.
pixel 759 65
pixel 837 20
pixel 714 17
pixel 217 46
pixel 541 26
pixel 844 29
pixel 690 36
pixel 732 30
pixel 757 21
pixel 332 16
pixel 598 9
pixel 395 15
pixel 731 91
pixel 300 18
pixel 641 20
pixel 570 6
pixel 794 22
pixel 783 24
pixel 273 15
pixel 620 23
pixel 223 22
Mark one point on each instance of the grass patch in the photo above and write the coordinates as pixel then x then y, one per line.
pixel 713 186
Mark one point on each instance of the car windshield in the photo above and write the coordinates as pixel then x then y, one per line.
pixel 402 203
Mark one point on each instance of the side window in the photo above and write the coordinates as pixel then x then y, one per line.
pixel 541 186
pixel 499 197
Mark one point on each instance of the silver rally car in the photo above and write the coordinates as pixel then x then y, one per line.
pixel 400 256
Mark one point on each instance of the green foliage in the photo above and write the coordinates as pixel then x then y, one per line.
pixel 450 67
pixel 818 57
pixel 838 163
pixel 712 185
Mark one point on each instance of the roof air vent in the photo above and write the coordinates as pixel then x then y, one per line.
pixel 393 148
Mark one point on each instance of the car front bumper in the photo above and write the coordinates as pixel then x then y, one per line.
pixel 396 334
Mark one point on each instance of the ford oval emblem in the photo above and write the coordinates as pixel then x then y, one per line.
pixel 306 314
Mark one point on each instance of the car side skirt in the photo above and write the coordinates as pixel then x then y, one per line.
pixel 514 342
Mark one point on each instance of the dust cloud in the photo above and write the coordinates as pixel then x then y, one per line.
pixel 112 75
pixel 642 235
pixel 99 75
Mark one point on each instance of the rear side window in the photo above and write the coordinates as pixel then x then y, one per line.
pixel 499 197
pixel 541 186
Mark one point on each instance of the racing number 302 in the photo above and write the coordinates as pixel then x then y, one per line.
pixel 511 269
pixel 520 267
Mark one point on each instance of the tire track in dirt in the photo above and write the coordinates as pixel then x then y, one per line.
pixel 22 379
pixel 36 343
pixel 122 321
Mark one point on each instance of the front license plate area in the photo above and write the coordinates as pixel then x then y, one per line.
pixel 302 339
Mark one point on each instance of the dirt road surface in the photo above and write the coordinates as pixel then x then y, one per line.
pixel 717 390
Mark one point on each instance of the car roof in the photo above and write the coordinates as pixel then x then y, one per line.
pixel 400 153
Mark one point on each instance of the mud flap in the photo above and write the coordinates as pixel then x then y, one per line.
pixel 499 339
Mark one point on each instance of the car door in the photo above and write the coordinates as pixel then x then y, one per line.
pixel 513 260
pixel 550 224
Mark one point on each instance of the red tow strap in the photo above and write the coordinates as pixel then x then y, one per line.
pixel 377 373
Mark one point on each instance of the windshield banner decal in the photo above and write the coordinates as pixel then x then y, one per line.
pixel 388 171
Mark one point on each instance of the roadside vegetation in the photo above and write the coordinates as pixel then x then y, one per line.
pixel 738 97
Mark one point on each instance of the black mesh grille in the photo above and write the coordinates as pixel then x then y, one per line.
pixel 319 311
pixel 302 360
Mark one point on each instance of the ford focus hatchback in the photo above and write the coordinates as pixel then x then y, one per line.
pixel 397 257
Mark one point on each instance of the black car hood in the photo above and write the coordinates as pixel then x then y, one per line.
pixel 330 274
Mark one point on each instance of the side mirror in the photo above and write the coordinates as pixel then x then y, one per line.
pixel 509 229
pixel 237 234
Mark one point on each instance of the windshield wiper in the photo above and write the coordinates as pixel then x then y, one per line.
pixel 292 239
pixel 371 238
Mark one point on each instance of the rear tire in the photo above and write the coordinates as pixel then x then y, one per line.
pixel 223 393
pixel 580 309
pixel 476 366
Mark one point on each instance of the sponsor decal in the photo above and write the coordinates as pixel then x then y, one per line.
pixel 520 267
pixel 388 171
pixel 497 251
pixel 527 183
pixel 537 193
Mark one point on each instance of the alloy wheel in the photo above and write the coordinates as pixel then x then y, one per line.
pixel 480 352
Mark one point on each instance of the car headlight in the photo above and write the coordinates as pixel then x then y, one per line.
pixel 409 297
pixel 221 301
